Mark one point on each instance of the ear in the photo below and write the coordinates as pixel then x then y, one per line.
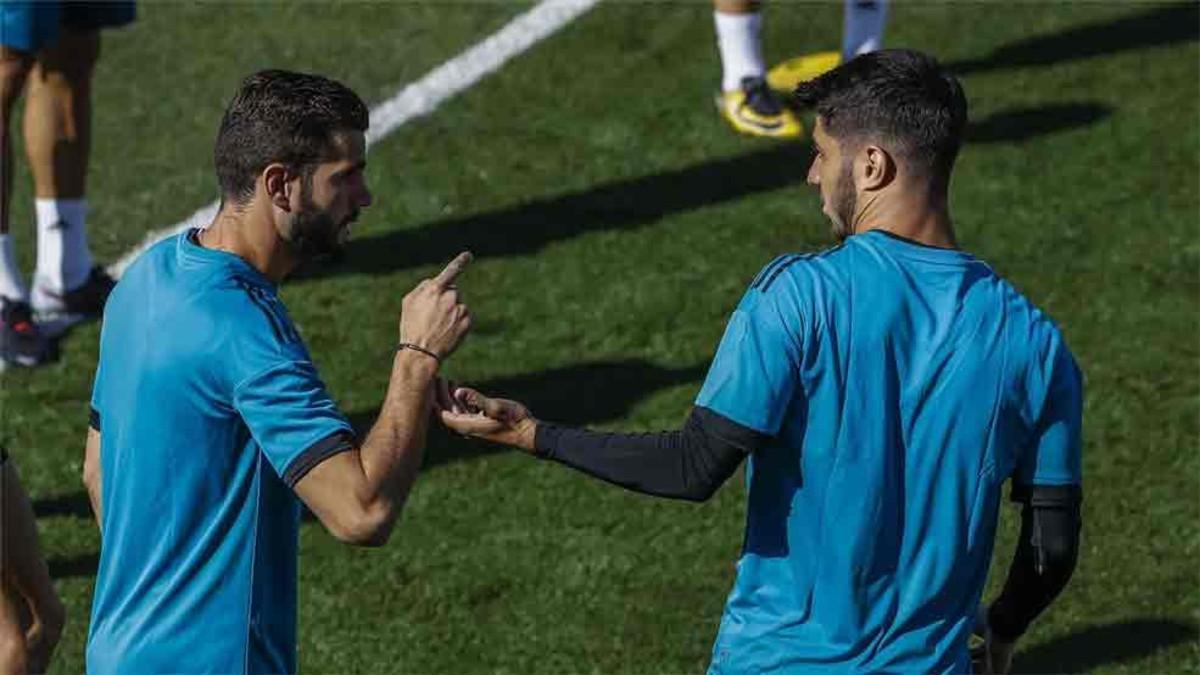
pixel 278 183
pixel 876 168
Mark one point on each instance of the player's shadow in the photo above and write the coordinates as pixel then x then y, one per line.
pixel 526 227
pixel 1148 28
pixel 579 395
pixel 74 504
pixel 1020 124
pixel 1096 646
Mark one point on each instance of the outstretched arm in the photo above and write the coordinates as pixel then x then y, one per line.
pixel 689 464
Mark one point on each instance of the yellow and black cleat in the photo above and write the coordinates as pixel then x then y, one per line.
pixel 757 110
pixel 785 77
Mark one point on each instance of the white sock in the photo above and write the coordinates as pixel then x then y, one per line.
pixel 739 39
pixel 863 27
pixel 63 258
pixel 11 284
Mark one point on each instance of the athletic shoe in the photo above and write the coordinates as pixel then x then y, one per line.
pixel 86 300
pixel 21 343
pixel 758 111
pixel 785 77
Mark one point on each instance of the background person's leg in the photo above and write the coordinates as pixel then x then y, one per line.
pixel 58 140
pixel 25 27
pixel 863 27
pixel 746 100
pixel 14 69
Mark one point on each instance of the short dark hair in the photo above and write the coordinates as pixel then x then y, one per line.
pixel 894 95
pixel 281 116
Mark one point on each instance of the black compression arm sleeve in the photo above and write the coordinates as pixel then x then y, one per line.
pixel 1046 553
pixel 688 464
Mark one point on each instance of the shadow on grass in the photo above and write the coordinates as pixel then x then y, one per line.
pixel 1011 126
pixel 527 227
pixel 69 504
pixel 74 566
pixel 1097 646
pixel 579 395
pixel 1149 28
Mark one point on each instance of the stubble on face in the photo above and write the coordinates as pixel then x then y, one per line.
pixel 845 201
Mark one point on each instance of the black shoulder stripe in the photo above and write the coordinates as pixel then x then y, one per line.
pixel 276 308
pixel 779 270
pixel 258 302
pixel 771 266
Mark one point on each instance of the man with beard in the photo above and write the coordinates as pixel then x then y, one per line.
pixel 884 391
pixel 208 414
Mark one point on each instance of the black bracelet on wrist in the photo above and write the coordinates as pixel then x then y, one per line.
pixel 417 348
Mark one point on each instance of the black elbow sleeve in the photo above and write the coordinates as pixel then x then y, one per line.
pixel 1047 550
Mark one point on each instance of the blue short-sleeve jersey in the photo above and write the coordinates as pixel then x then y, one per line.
pixel 901 386
pixel 209 411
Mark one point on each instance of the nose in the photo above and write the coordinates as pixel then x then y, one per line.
pixel 365 198
pixel 814 177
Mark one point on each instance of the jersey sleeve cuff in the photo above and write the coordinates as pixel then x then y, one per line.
pixel 1048 496
pixel 338 441
pixel 94 418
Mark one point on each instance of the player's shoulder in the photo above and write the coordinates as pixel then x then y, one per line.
pixel 250 308
pixel 1032 331
pixel 798 272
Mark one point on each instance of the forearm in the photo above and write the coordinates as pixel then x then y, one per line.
pixel 92 472
pixel 92 484
pixel 391 454
pixel 690 463
pixel 24 566
pixel 1047 550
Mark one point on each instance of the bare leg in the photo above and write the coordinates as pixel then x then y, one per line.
pixel 58 115
pixel 737 6
pixel 58 140
pixel 14 69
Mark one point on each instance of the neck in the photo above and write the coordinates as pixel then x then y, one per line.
pixel 921 215
pixel 248 233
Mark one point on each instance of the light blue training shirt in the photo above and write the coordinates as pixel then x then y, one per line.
pixel 902 385
pixel 209 411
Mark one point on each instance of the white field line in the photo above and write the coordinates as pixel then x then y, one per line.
pixel 426 94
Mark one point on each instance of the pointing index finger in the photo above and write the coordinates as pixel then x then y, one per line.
pixel 452 270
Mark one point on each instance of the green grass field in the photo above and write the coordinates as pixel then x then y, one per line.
pixel 617 221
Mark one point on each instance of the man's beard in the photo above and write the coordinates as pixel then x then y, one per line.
pixel 314 234
pixel 845 204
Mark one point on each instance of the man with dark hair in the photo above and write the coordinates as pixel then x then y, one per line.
pixel 884 391
pixel 208 413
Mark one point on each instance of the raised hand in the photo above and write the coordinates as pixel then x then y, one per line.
pixel 493 419
pixel 433 315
